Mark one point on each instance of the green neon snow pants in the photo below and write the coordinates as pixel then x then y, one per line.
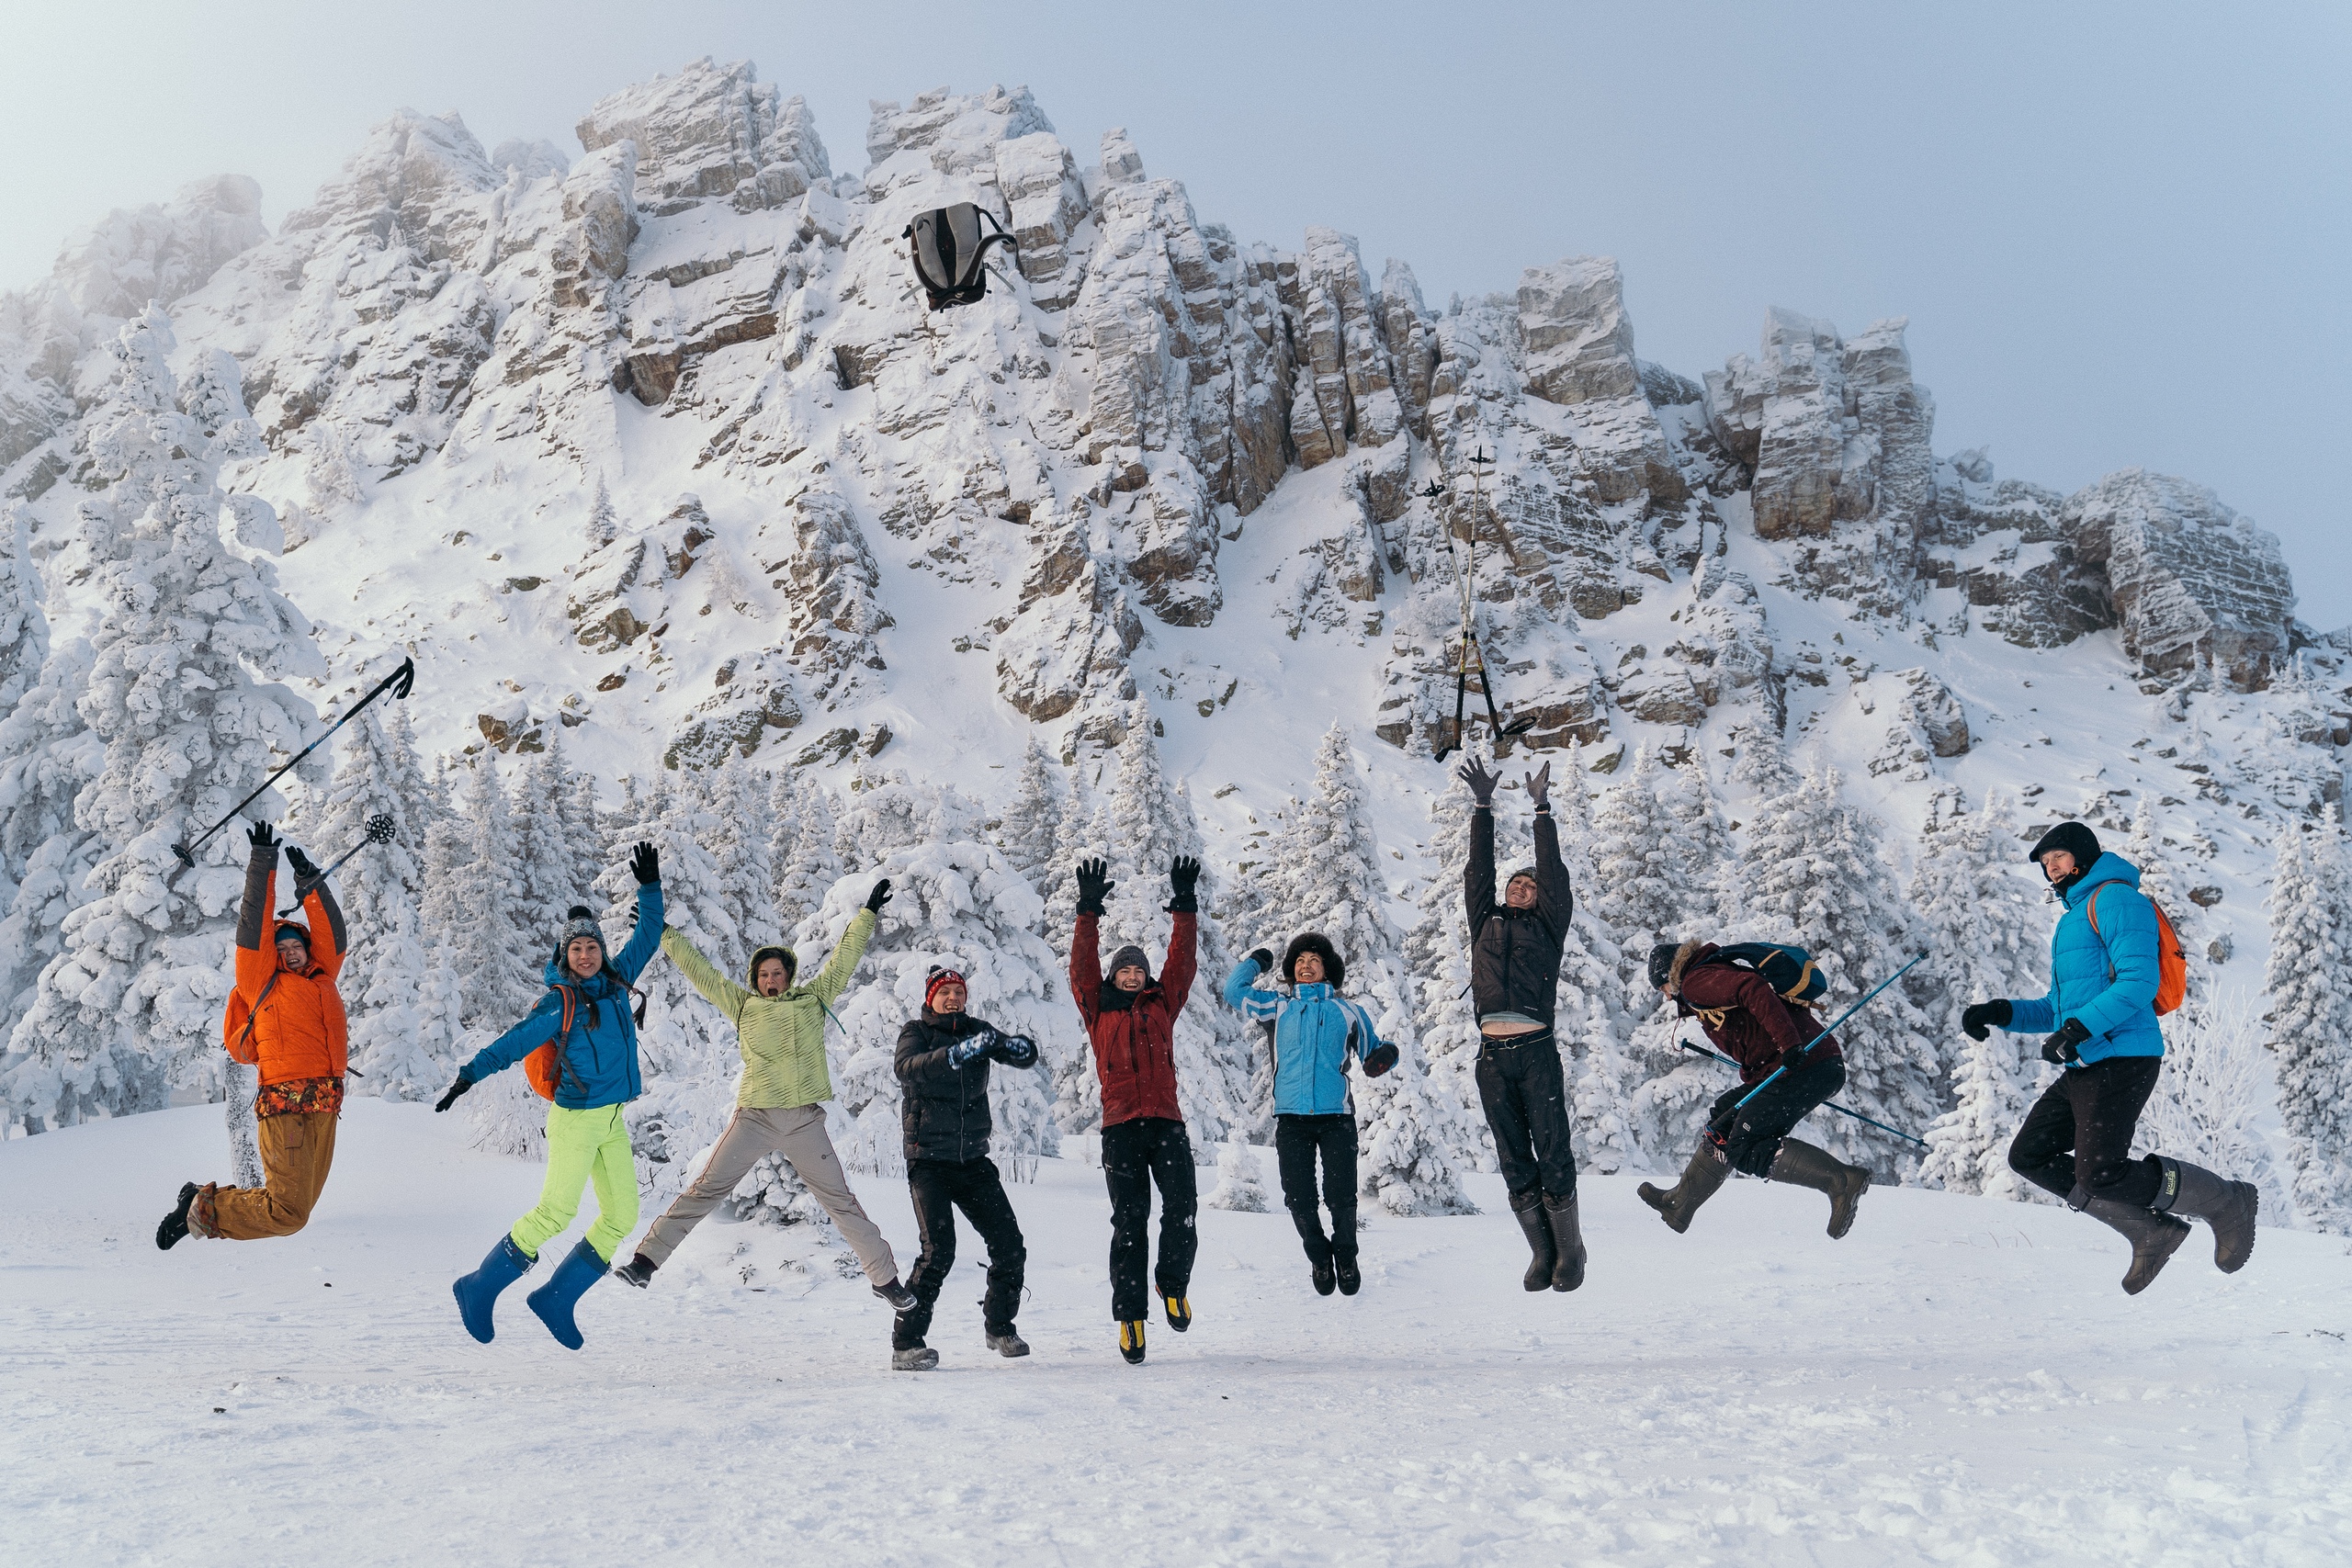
pixel 584 1146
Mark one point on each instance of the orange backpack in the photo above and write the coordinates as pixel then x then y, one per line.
pixel 2172 963
pixel 544 1065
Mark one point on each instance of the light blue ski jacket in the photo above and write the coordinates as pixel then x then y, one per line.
pixel 2106 977
pixel 1315 1032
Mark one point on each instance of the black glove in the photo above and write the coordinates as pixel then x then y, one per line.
pixel 1265 959
pixel 1380 1061
pixel 2060 1047
pixel 1482 783
pixel 1004 1047
pixel 305 868
pixel 645 864
pixel 879 896
pixel 1539 787
pixel 463 1084
pixel 1183 876
pixel 1977 1021
pixel 1094 885
pixel 262 836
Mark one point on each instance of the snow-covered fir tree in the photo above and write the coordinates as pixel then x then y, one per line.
pixel 2212 1098
pixel 24 630
pixel 473 903
pixel 800 848
pixel 1592 1020
pixel 1241 1180
pixel 736 795
pixel 2161 866
pixel 604 524
pixel 558 848
pixel 1030 831
pixel 1437 957
pixel 2309 1017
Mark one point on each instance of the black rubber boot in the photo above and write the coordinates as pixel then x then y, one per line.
pixel 638 1271
pixel 1801 1165
pixel 1528 1208
pixel 2155 1238
pixel 174 1226
pixel 2193 1192
pixel 1707 1171
pixel 1345 1274
pixel 1567 1242
pixel 1325 1281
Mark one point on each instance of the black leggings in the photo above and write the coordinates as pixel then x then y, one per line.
pixel 1753 1141
pixel 1297 1141
pixel 2077 1141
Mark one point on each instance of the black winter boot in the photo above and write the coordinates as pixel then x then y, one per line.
pixel 913 1358
pixel 1802 1165
pixel 900 1298
pixel 1325 1281
pixel 1131 1341
pixel 2155 1237
pixel 1528 1208
pixel 1567 1242
pixel 1708 1171
pixel 1009 1345
pixel 1345 1274
pixel 638 1271
pixel 2196 1194
pixel 174 1226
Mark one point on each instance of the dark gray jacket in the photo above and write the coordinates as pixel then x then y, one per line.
pixel 946 1110
pixel 1515 953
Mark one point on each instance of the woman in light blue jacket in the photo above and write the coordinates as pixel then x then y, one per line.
pixel 2099 1014
pixel 1315 1031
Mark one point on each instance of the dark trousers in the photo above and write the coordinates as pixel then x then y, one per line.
pixel 1752 1140
pixel 1297 1141
pixel 1527 1111
pixel 1135 1156
pixel 940 1187
pixel 2077 1141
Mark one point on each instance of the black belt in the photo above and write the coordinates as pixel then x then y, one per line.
pixel 1513 1041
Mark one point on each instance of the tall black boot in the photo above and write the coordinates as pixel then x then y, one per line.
pixel 2228 1206
pixel 1707 1171
pixel 1528 1208
pixel 1567 1241
pixel 2155 1238
pixel 1802 1165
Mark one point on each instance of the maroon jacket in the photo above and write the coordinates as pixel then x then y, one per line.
pixel 1746 1017
pixel 1135 1046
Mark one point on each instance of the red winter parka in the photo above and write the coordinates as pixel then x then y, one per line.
pixel 1135 1040
pixel 1742 1014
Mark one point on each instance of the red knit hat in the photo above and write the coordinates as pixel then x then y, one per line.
pixel 937 978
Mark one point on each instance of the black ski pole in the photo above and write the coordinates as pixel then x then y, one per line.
pixel 398 682
pixel 378 832
pixel 1825 1034
pixel 1826 1104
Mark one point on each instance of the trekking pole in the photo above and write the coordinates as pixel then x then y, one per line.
pixel 378 832
pixel 1825 1034
pixel 400 682
pixel 1826 1104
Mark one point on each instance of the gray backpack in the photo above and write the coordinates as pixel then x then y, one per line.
pixel 950 248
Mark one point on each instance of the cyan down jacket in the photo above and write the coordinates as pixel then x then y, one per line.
pixel 2106 977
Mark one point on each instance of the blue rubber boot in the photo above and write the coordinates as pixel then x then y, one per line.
pixel 581 1267
pixel 477 1291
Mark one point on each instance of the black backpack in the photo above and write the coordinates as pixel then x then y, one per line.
pixel 949 249
pixel 1788 969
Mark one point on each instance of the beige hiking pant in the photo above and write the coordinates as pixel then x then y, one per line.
pixel 797 1133
pixel 296 1151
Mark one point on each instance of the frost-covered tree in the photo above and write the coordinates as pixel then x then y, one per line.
pixel 2162 880
pixel 473 903
pixel 800 847
pixel 1030 831
pixel 2310 1017
pixel 604 524
pixel 736 795
pixel 1590 1020
pixel 47 757
pixel 1976 903
pixel 1437 957
pixel 1240 1182
pixel 2213 1097
pixel 557 845
pixel 24 630
pixel 132 1002
pixel 1641 880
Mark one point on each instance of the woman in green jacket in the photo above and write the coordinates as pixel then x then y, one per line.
pixel 779 1109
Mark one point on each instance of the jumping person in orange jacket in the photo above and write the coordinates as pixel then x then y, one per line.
pixel 286 1018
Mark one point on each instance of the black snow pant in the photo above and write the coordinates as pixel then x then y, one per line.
pixel 940 1187
pixel 1135 1156
pixel 1752 1140
pixel 1297 1141
pixel 1527 1111
pixel 2077 1141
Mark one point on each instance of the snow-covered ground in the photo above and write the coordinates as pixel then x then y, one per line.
pixel 1960 1380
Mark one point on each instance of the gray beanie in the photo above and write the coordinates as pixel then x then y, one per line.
pixel 581 921
pixel 1526 870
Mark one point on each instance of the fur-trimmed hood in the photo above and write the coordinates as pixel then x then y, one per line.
pixel 1683 957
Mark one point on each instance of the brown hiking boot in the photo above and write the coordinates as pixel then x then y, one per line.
pixel 1708 1171
pixel 2155 1238
pixel 1802 1165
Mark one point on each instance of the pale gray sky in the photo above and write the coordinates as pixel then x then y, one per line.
pixel 2120 230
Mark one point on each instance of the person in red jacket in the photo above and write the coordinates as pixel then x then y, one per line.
pixel 1756 1027
pixel 286 1018
pixel 1131 1020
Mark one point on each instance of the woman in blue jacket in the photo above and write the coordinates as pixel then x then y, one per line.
pixel 595 1072
pixel 1315 1031
pixel 2101 1020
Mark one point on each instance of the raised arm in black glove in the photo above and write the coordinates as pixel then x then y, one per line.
pixel 262 836
pixel 879 896
pixel 645 864
pixel 450 1099
pixel 1380 1061
pixel 2060 1047
pixel 1980 1019
pixel 1094 886
pixel 1184 876
pixel 305 868
pixel 1263 958
pixel 1482 783
pixel 1539 787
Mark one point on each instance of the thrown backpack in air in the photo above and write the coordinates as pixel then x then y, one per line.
pixel 544 1065
pixel 950 248
pixel 1787 968
pixel 2172 963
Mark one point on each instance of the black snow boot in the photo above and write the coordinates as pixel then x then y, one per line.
pixel 1325 1281
pixel 2193 1192
pixel 174 1226
pixel 638 1271
pixel 1802 1165
pixel 913 1358
pixel 900 1298
pixel 1567 1241
pixel 1707 1171
pixel 1528 1208
pixel 1345 1274
pixel 1008 1344
pixel 2155 1237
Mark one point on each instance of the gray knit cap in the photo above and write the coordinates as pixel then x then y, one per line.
pixel 581 921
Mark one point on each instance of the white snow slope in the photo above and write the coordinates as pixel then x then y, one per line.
pixel 1958 1382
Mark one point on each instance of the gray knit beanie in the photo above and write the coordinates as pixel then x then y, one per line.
pixel 581 921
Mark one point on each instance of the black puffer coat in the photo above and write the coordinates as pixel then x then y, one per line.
pixel 946 1110
pixel 1515 953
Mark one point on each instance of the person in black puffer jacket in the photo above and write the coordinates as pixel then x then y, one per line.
pixel 943 1062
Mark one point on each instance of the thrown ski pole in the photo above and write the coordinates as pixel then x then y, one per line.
pixel 378 832
pixel 1825 1034
pixel 1825 1105
pixel 398 682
